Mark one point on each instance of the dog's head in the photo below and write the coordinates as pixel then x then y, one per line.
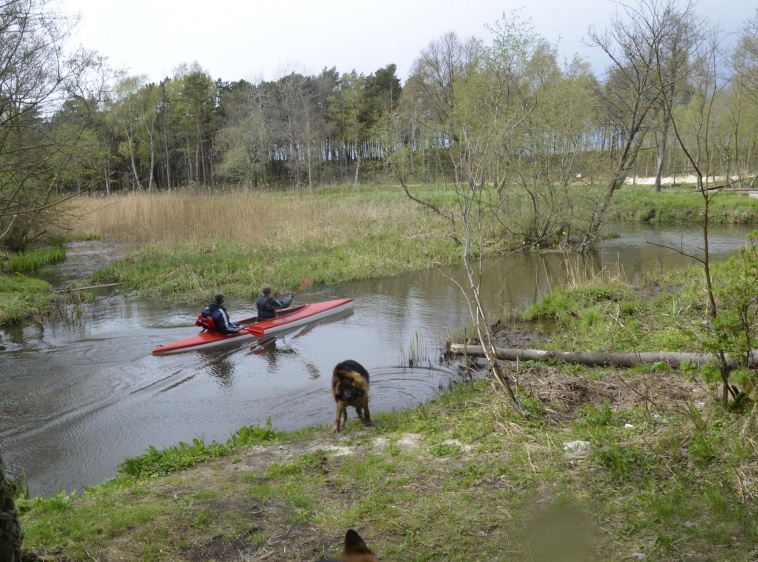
pixel 352 394
pixel 349 386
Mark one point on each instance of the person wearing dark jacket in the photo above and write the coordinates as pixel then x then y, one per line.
pixel 268 305
pixel 217 312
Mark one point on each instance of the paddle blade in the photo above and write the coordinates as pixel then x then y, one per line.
pixel 306 284
pixel 257 331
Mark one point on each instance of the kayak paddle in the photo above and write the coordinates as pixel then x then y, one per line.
pixel 306 284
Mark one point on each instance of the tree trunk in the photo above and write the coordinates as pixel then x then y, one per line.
pixel 357 168
pixel 675 360
pixel 11 535
pixel 661 158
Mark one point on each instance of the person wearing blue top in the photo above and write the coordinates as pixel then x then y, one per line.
pixel 217 312
pixel 268 305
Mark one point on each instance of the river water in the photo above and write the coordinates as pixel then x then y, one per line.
pixel 76 400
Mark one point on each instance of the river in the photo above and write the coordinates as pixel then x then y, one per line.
pixel 77 399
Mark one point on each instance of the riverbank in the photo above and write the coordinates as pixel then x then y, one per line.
pixel 609 464
pixel 645 466
pixel 185 246
pixel 332 235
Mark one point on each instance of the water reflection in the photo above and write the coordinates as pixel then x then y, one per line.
pixel 223 370
pixel 76 400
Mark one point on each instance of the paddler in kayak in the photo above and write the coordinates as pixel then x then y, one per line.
pixel 268 305
pixel 217 312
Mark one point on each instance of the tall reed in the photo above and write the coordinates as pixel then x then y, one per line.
pixel 269 220
pixel 188 245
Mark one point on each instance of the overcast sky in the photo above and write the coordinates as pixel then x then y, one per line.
pixel 251 39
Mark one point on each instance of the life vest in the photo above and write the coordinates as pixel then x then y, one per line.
pixel 205 321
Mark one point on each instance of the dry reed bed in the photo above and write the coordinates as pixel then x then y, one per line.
pixel 187 245
pixel 269 221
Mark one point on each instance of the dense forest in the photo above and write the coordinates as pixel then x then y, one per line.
pixel 498 112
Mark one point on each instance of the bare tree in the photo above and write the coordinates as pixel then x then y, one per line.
pixel 635 41
pixel 35 73
pixel 430 92
pixel 300 125
pixel 681 34
pixel 477 99
pixel 694 132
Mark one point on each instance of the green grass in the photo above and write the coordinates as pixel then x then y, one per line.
pixel 22 297
pixel 33 260
pixel 184 455
pixel 478 482
pixel 643 204
pixel 193 271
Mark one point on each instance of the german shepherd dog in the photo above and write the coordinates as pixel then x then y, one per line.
pixel 350 388
pixel 355 550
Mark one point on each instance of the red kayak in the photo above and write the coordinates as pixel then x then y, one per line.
pixel 286 319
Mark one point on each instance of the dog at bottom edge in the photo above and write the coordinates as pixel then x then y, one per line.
pixel 350 388
pixel 355 550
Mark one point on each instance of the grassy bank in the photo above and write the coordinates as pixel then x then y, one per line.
pixel 645 465
pixel 609 464
pixel 188 245
pixel 22 297
pixel 641 204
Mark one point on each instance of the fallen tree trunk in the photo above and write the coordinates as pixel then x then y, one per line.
pixel 594 359
pixel 72 289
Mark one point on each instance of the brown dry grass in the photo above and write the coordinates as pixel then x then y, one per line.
pixel 273 221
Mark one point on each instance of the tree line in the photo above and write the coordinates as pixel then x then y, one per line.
pixel 503 113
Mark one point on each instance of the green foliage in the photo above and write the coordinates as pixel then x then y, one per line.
pixel 623 461
pixel 184 455
pixel 18 283
pixel 566 304
pixel 254 435
pixel 445 450
pixel 32 260
pixel 22 297
pixel 592 416
pixel 734 328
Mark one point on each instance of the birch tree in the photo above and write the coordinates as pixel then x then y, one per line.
pixel 193 103
pixel 347 107
pixel 672 60
pixel 244 141
pixel 744 102
pixel 134 112
pixel 300 122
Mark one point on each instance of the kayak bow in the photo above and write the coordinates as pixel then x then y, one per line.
pixel 285 320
